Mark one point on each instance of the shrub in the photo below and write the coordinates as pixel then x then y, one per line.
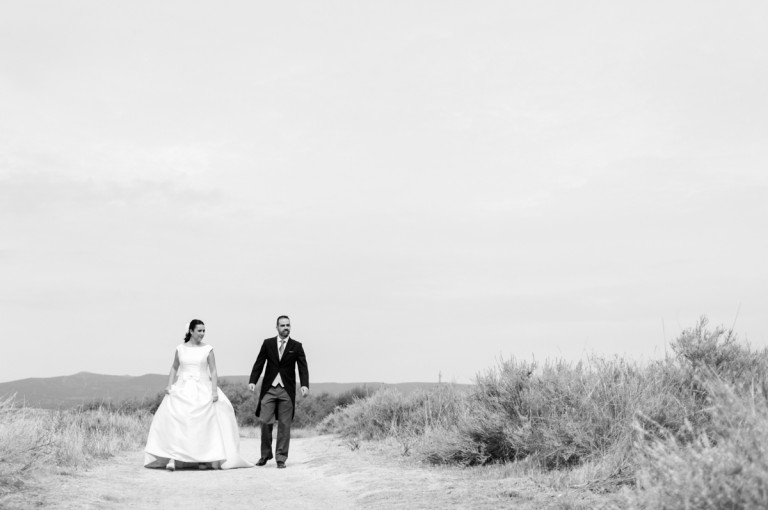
pixel 388 412
pixel 725 466
pixel 599 414
pixel 703 352
pixel 312 409
pixel 559 416
pixel 309 410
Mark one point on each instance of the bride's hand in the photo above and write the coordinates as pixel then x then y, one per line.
pixel 168 390
pixel 215 397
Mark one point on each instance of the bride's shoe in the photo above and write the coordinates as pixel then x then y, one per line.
pixel 171 466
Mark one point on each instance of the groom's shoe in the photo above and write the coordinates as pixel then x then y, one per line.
pixel 280 464
pixel 263 460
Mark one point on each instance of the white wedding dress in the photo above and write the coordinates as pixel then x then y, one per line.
pixel 188 426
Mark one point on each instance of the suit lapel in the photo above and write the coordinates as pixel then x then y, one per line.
pixel 273 349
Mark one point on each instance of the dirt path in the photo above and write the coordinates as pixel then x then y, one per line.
pixel 322 473
pixel 124 483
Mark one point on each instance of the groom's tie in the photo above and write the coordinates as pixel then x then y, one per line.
pixel 282 346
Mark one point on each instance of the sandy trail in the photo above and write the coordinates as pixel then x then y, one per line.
pixel 322 473
pixel 123 482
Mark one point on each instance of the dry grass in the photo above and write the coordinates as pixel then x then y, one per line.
pixel 37 442
pixel 670 432
pixel 27 444
pixel 725 466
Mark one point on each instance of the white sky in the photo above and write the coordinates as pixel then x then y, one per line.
pixel 423 187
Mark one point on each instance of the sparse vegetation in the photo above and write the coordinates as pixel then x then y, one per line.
pixel 127 406
pixel 688 431
pixel 36 441
pixel 309 411
pixel 720 465
pixel 39 442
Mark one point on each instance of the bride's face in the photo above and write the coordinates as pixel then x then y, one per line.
pixel 198 333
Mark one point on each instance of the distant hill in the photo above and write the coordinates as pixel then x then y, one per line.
pixel 71 390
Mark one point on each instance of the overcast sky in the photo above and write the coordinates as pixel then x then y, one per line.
pixel 424 187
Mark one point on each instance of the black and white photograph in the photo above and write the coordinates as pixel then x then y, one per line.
pixel 384 255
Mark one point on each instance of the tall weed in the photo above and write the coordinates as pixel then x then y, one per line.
pixel 724 466
pixel 36 442
pixel 27 443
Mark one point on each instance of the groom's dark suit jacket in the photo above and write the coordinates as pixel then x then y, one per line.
pixel 293 355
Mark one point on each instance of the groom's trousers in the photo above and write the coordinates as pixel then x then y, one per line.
pixel 276 402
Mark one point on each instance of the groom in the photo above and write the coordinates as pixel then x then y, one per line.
pixel 278 389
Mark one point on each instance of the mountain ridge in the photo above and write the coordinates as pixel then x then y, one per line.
pixel 61 392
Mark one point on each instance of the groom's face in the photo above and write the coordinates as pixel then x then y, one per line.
pixel 284 328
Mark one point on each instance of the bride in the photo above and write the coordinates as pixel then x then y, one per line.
pixel 195 423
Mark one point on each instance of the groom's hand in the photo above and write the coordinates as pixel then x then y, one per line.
pixel 304 391
pixel 252 387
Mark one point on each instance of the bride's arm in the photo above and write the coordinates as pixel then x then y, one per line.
pixel 214 375
pixel 172 374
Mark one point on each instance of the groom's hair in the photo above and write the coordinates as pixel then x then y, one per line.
pixel 282 317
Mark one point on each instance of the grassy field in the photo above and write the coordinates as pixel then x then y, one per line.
pixel 688 431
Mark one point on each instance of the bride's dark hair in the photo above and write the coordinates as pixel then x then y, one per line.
pixel 192 325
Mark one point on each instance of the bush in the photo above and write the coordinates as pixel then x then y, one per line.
pixel 562 416
pixel 703 352
pixel 243 401
pixel 725 466
pixel 605 414
pixel 389 413
pixel 309 410
pixel 312 409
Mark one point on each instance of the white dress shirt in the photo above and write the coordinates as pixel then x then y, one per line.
pixel 279 380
